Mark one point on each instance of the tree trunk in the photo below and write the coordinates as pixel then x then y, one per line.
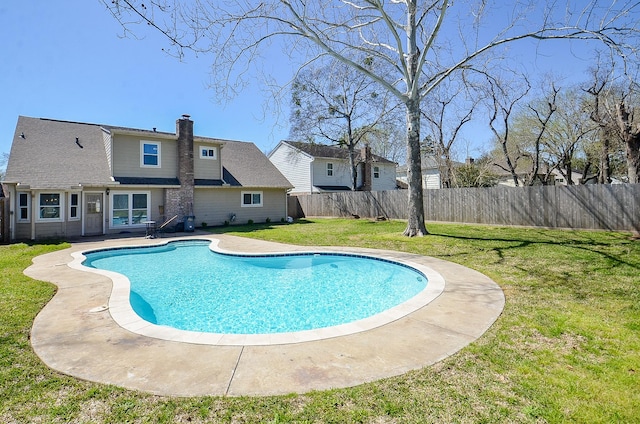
pixel 631 138
pixel 633 159
pixel 604 173
pixel 415 220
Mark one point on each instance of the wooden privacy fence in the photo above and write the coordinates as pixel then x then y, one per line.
pixel 597 206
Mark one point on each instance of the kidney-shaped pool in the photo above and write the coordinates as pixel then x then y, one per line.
pixel 185 285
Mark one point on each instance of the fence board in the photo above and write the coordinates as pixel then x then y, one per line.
pixel 598 206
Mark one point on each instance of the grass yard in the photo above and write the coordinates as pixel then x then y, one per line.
pixel 565 349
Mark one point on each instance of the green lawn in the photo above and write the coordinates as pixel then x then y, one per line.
pixel 565 349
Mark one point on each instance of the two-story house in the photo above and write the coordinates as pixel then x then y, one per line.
pixel 316 168
pixel 67 179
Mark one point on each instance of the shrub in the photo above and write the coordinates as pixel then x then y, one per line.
pixel 250 222
pixel 268 220
pixel 204 225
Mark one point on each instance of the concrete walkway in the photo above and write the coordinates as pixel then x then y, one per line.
pixel 75 334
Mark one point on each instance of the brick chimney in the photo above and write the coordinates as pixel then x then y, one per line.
pixel 367 159
pixel 180 201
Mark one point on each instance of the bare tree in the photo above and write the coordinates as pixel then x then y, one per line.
pixel 503 100
pixel 612 93
pixel 446 112
pixel 416 38
pixel 4 159
pixel 336 104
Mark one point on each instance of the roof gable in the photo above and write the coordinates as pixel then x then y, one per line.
pixel 57 154
pixel 330 152
pixel 245 165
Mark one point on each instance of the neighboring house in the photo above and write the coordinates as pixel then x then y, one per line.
pixel 67 179
pixel 430 173
pixel 316 168
pixel 523 171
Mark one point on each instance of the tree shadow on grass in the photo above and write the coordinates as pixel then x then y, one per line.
pixel 249 228
pixel 589 245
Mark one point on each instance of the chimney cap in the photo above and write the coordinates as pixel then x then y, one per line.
pixel 186 116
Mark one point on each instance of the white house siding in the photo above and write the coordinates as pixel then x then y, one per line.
pixel 387 180
pixel 341 174
pixel 215 205
pixel 207 168
pixel 294 165
pixel 431 179
pixel 126 158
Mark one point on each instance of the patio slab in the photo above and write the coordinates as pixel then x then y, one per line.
pixel 75 334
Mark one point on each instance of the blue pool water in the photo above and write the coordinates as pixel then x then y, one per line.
pixel 187 286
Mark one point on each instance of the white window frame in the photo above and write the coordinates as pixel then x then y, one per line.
pixel 59 206
pixel 376 172
pixel 211 152
pixel 329 169
pixel 130 209
pixel 158 154
pixel 252 194
pixel 26 207
pixel 74 205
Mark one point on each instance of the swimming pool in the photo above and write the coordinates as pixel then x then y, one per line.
pixel 204 295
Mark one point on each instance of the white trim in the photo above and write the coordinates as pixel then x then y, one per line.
pixel 129 210
pixel 251 205
pixel 19 207
pixel 60 206
pixel 212 152
pixel 158 154
pixel 330 169
pixel 77 206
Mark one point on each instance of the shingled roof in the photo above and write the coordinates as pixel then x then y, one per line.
pixel 329 152
pixel 48 154
pixel 245 165
pixel 53 154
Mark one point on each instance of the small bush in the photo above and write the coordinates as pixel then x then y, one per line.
pixel 204 225
pixel 226 223
pixel 268 220
pixel 282 220
pixel 250 222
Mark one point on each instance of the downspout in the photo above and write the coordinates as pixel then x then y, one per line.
pixel 33 215
pixel 12 213
pixel 311 165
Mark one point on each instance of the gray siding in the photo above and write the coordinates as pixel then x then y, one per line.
pixel 108 148
pixel 207 168
pixel 215 205
pixel 126 158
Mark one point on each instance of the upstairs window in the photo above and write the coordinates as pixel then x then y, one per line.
pixel 207 152
pixel 376 172
pixel 329 170
pixel 24 207
pixel 149 154
pixel 251 199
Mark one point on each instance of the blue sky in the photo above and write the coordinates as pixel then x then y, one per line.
pixel 66 60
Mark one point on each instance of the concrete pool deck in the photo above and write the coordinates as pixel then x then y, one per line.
pixel 75 333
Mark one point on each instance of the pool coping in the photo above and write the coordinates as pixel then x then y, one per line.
pixel 123 314
pixel 76 334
